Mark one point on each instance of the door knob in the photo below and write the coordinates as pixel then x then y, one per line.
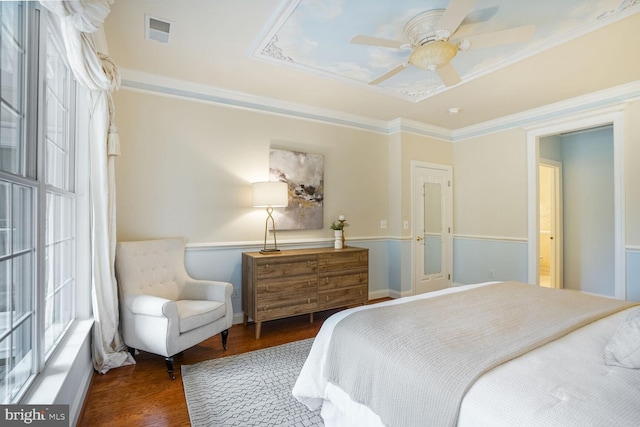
pixel 419 239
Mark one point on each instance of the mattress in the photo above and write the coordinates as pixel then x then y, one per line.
pixel 565 382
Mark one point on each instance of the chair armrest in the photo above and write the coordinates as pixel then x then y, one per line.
pixel 207 290
pixel 150 305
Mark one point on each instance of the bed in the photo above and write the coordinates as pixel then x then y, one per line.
pixel 489 354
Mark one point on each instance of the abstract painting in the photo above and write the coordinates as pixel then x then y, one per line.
pixel 304 175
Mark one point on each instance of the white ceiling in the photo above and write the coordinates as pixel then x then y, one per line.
pixel 298 52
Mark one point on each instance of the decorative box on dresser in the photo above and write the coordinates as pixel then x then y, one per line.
pixel 302 281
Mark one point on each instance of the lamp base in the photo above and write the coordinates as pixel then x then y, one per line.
pixel 269 251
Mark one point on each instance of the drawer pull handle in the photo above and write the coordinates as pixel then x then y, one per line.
pixel 308 263
pixel 308 300
pixel 266 307
pixel 267 287
pixel 327 297
pixel 327 280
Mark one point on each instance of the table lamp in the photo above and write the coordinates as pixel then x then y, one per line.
pixel 269 195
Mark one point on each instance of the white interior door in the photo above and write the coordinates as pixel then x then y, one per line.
pixel 432 213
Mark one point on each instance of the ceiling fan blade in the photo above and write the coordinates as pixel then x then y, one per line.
pixel 454 15
pixel 389 74
pixel 480 15
pixel 377 41
pixel 448 75
pixel 498 38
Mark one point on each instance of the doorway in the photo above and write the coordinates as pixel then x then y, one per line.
pixel 550 196
pixel 432 212
pixel 612 117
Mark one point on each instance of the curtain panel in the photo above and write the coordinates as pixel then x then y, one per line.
pixel 79 19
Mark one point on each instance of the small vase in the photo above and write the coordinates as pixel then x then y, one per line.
pixel 338 242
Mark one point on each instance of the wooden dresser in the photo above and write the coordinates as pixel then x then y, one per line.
pixel 302 281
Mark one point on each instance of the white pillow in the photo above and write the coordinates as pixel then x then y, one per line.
pixel 623 349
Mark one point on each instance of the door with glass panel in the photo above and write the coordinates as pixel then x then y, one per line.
pixel 432 213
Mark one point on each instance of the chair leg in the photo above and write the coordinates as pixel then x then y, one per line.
pixel 169 362
pixel 224 335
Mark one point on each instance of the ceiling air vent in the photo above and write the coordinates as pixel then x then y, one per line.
pixel 157 29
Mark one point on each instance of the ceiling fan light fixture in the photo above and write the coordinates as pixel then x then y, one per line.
pixel 433 55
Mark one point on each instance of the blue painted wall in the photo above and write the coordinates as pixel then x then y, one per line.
pixel 589 227
pixel 633 275
pixel 224 263
pixel 390 268
pixel 588 205
pixel 480 260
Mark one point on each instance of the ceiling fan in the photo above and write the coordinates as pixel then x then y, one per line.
pixel 431 38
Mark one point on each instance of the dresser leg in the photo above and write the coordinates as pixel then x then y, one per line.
pixel 258 329
pixel 310 317
pixel 246 320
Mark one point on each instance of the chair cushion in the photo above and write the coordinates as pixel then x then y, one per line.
pixel 193 314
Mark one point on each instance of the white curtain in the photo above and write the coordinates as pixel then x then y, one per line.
pixel 96 72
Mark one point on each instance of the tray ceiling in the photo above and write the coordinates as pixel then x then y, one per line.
pixel 314 36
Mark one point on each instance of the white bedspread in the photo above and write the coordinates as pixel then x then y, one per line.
pixel 562 383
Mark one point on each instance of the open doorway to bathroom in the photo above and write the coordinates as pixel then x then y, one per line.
pixel 579 243
pixel 550 188
pixel 590 150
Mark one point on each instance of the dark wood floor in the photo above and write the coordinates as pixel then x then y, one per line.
pixel 143 394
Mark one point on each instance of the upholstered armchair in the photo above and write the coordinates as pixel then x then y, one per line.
pixel 163 310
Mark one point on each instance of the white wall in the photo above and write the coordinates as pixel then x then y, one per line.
pixel 187 166
pixel 490 182
pixel 186 169
pixel 490 208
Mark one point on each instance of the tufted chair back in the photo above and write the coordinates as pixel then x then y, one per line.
pixel 152 268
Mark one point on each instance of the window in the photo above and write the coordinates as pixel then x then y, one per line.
pixel 60 199
pixel 37 199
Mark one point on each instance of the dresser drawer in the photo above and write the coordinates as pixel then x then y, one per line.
pixel 286 295
pixel 285 285
pixel 342 297
pixel 286 267
pixel 275 306
pixel 282 312
pixel 336 262
pixel 329 282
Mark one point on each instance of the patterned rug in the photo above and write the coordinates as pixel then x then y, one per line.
pixel 250 389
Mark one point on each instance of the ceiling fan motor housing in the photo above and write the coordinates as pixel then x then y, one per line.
pixel 422 28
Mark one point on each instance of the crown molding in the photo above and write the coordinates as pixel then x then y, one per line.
pixel 161 85
pixel 597 100
pixel 419 128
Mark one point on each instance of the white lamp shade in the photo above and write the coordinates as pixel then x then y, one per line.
pixel 270 193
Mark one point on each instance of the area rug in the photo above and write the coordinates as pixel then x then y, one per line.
pixel 250 389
